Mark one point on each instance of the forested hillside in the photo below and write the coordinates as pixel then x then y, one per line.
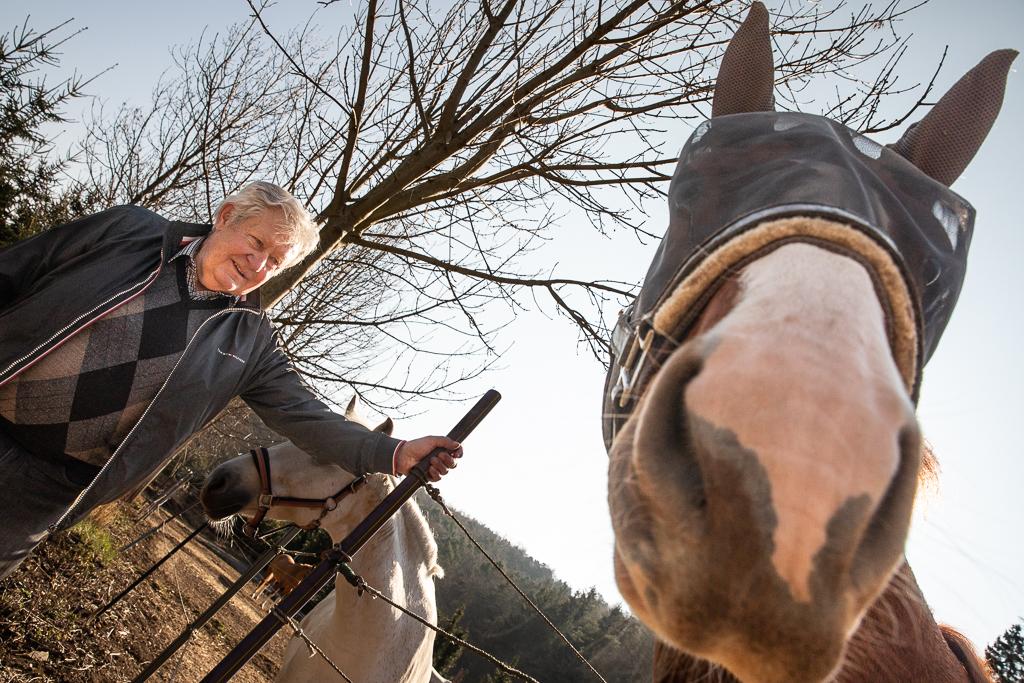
pixel 491 615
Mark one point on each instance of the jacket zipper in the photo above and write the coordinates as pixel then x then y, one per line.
pixel 53 527
pixel 144 285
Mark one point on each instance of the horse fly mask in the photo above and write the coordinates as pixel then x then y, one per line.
pixel 751 179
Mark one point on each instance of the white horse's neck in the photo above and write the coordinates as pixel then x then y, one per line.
pixel 398 557
pixel 370 640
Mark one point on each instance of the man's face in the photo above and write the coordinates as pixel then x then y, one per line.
pixel 239 257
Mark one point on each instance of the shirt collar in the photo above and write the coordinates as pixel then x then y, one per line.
pixel 190 246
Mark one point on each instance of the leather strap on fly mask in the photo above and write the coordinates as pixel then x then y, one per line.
pixel 750 179
pixel 267 499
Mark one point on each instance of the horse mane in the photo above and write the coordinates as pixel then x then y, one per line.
pixel 928 475
pixel 959 644
pixel 419 530
pixel 419 526
pixel 962 648
pixel 416 528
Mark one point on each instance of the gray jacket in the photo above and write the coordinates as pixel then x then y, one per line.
pixel 60 281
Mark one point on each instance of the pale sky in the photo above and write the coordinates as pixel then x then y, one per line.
pixel 535 469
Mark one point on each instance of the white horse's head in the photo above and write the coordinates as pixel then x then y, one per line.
pixel 234 486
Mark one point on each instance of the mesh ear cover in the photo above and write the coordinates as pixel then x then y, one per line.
pixel 947 138
pixel 746 78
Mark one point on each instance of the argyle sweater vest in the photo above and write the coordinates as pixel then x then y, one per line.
pixel 83 398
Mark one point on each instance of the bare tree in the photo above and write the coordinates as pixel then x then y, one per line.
pixel 437 146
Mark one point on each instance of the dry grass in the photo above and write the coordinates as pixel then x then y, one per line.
pixel 45 633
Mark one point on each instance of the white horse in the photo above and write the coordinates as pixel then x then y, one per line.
pixel 368 639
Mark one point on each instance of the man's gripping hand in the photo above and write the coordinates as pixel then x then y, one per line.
pixel 409 453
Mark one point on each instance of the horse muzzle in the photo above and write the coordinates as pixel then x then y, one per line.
pixel 225 493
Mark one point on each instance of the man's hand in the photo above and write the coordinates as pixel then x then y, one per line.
pixel 411 452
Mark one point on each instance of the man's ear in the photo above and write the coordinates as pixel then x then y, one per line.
pixel 224 215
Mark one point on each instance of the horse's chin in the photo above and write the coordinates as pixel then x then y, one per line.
pixel 695 598
pixel 224 509
pixel 223 526
pixel 697 628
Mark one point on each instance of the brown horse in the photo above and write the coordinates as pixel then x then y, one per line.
pixel 759 413
pixel 283 575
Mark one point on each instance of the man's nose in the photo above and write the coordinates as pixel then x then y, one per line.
pixel 258 261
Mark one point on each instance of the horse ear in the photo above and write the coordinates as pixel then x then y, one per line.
pixel 350 409
pixel 387 426
pixel 947 138
pixel 746 79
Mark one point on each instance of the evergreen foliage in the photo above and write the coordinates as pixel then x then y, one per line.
pixel 1005 656
pixel 32 196
pixel 499 621
pixel 447 652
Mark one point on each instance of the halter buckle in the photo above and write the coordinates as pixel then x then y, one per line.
pixel 629 346
pixel 265 500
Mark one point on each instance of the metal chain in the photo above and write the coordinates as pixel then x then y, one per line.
pixel 436 495
pixel 360 584
pixel 313 647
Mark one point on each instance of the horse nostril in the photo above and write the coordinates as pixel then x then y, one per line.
pixel 664 448
pixel 217 482
pixel 225 493
pixel 216 489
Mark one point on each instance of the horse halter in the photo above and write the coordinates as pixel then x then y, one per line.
pixel 267 499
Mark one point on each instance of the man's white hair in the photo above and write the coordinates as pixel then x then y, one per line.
pixel 297 228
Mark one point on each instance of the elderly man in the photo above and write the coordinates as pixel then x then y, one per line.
pixel 123 333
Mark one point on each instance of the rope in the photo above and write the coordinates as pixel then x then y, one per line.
pixel 360 585
pixel 313 647
pixel 177 666
pixel 436 495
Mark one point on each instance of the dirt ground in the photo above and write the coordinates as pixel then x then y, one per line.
pixel 45 633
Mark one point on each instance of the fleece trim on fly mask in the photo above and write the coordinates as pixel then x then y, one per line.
pixel 890 285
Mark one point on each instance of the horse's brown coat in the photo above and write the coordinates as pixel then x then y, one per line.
pixel 898 640
pixel 284 574
pixel 898 623
pixel 762 474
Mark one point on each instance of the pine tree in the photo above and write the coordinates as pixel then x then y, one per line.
pixel 447 652
pixel 1006 655
pixel 31 195
pixel 499 676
